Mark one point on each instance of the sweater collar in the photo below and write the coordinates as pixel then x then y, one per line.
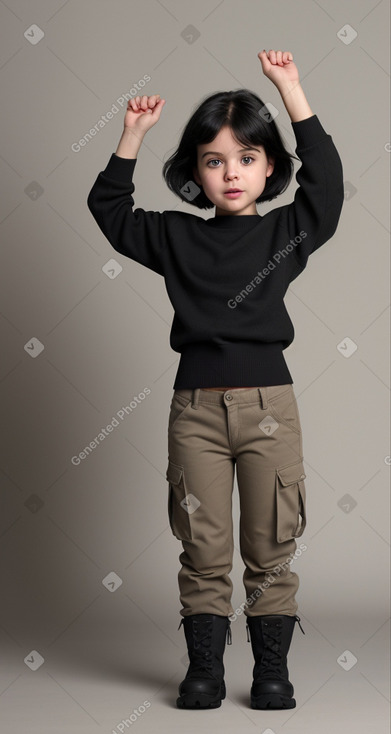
pixel 230 221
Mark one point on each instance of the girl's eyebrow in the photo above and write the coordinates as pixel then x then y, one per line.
pixel 213 152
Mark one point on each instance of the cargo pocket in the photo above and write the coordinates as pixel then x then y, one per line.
pixel 290 502
pixel 179 505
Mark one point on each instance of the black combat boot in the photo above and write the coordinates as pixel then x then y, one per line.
pixel 270 640
pixel 203 686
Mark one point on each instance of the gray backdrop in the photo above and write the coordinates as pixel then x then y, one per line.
pixel 90 603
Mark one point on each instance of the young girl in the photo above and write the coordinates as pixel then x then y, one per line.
pixel 233 401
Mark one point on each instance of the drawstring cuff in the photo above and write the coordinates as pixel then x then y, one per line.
pixel 228 635
pixel 297 619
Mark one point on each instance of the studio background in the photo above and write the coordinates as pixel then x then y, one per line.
pixel 88 563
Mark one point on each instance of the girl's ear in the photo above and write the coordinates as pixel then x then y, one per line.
pixel 270 167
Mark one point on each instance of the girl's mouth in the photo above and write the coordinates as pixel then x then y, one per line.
pixel 233 194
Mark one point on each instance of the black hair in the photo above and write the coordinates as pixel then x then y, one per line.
pixel 250 122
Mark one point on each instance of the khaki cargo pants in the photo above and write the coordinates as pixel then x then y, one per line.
pixel 258 430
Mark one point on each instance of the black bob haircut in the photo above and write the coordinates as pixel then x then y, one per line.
pixel 240 111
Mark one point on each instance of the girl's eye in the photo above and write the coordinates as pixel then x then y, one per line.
pixel 217 159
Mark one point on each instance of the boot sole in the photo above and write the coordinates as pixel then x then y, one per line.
pixel 197 702
pixel 272 701
pixel 200 700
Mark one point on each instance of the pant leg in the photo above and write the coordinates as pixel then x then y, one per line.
pixel 270 476
pixel 200 474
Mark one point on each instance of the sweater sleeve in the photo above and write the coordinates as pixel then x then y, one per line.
pixel 313 216
pixel 135 233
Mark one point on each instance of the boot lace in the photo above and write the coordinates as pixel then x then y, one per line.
pixel 271 662
pixel 201 655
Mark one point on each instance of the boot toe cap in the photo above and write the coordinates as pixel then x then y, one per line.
pixel 265 687
pixel 199 686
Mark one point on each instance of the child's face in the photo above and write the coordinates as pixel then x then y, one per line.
pixel 226 167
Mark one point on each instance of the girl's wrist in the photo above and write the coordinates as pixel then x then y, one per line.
pixel 295 101
pixel 289 87
pixel 129 144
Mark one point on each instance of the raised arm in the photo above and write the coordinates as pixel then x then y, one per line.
pixel 313 216
pixel 137 234
pixel 278 66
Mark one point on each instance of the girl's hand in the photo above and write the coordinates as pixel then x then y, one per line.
pixel 278 66
pixel 142 113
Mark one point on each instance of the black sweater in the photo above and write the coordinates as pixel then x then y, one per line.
pixel 226 276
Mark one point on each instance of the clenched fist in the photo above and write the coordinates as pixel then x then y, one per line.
pixel 143 112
